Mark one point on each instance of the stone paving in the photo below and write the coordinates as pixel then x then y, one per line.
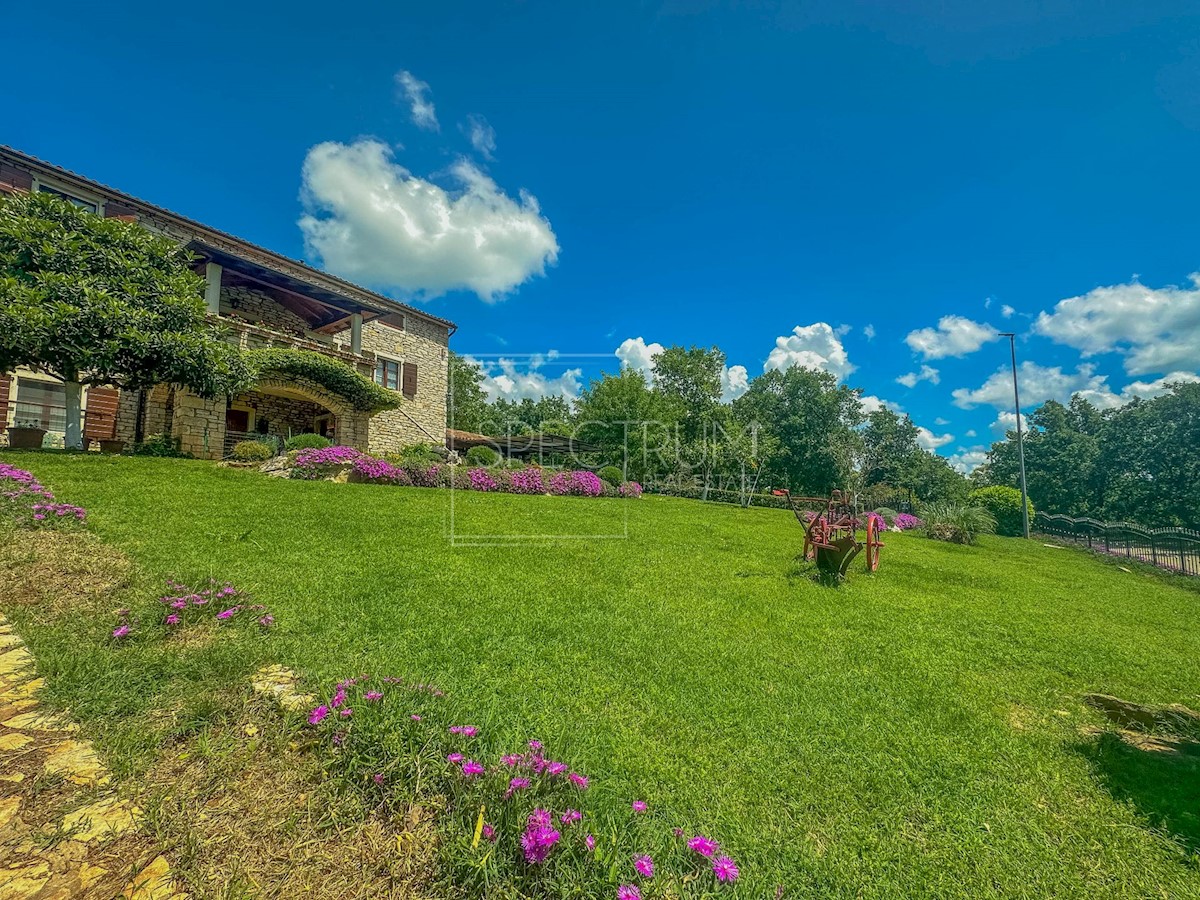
pixel 64 831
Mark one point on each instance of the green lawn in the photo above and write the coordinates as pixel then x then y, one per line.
pixel 915 733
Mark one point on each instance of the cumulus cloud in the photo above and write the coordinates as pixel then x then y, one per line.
pixel 1153 328
pixel 970 433
pixel 1007 311
pixel 954 336
pixel 1006 421
pixel 927 373
pixel 416 93
pixel 371 220
pixel 871 403
pixel 504 378
pixel 869 332
pixel 816 346
pixel 635 353
pixel 1042 383
pixel 930 441
pixel 481 135
pixel 967 460
pixel 940 421
pixel 735 381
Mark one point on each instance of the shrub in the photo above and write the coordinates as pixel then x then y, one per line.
pixel 161 445
pixel 957 523
pixel 307 442
pixel 887 513
pixel 481 479
pixel 306 365
pixel 527 481
pixel 422 476
pixel 251 451
pixel 611 474
pixel 376 471
pixel 579 484
pixel 1004 503
pixel 417 456
pixel 482 456
pixel 906 522
pixel 630 489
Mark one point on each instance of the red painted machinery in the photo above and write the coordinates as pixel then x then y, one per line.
pixel 831 528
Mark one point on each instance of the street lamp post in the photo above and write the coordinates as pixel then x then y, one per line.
pixel 1012 346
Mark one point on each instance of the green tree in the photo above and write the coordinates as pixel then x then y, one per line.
pixel 889 449
pixel 620 414
pixel 689 381
pixel 467 401
pixel 103 302
pixel 814 421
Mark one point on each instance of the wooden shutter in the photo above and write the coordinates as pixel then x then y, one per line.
pixel 408 383
pixel 100 419
pixel 5 387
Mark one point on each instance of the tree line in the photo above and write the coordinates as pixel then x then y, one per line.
pixel 796 428
pixel 1135 463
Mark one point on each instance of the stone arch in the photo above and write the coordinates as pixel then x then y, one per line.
pixel 351 424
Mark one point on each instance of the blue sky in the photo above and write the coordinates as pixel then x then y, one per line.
pixel 897 181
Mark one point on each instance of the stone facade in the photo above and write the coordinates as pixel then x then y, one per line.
pixel 255 306
pixel 421 418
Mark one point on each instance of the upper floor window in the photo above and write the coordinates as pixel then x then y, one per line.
pixel 89 205
pixel 387 373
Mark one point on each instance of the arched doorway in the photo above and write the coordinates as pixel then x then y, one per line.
pixel 284 408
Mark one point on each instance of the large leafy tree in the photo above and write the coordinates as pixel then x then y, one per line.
pixel 620 414
pixel 103 302
pixel 468 401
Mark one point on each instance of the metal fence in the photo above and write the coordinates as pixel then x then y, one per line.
pixel 1176 549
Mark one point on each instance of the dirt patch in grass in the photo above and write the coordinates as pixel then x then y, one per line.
pixel 249 811
pixel 61 571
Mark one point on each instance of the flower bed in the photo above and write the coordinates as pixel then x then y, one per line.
pixel 26 503
pixel 329 462
pixel 520 819
pixel 184 606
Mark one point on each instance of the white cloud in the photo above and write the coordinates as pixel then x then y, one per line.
pixel 1007 311
pixel 1154 328
pixel 1006 421
pixel 1042 383
pixel 869 332
pixel 967 460
pixel 816 346
pixel 954 336
pixel 371 220
pixel 871 403
pixel 930 441
pixel 940 421
pixel 735 381
pixel 481 135
pixel 416 93
pixel 970 433
pixel 927 373
pixel 635 353
pixel 503 378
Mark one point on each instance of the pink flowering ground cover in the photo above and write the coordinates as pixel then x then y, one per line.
pixel 183 607
pixel 516 819
pixel 27 503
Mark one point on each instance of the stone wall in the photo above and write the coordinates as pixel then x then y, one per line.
pixel 255 306
pixel 199 424
pixel 284 416
pixel 422 418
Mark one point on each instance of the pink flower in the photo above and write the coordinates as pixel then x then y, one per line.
pixel 464 730
pixel 179 604
pixel 267 621
pixel 511 759
pixel 590 842
pixel 339 697
pixel 580 781
pixel 555 768
pixel 489 832
pixel 346 713
pixel 702 845
pixel 541 818
pixel 377 778
pixel 172 619
pixel 639 806
pixel 571 815
pixel 644 865
pixel 373 695
pixel 535 745
pixel 629 892
pixel 228 613
pixel 318 714
pixel 517 784
pixel 470 768
pixel 121 631
pixel 725 869
pixel 454 758
pixel 415 717
pixel 539 837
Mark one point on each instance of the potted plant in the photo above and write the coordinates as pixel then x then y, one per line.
pixel 26 434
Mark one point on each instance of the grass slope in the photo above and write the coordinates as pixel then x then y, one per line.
pixel 916 733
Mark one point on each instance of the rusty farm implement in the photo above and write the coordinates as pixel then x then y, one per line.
pixel 831 526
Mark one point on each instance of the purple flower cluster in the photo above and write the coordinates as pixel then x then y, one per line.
pixel 527 481
pixel 905 522
pixel 577 483
pixel 630 489
pixel 422 477
pixel 29 504
pixel 187 605
pixel 316 462
pixel 369 468
pixel 481 480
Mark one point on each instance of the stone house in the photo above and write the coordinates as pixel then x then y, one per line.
pixel 260 299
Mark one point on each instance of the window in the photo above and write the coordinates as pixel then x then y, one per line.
pixel 387 373
pixel 89 205
pixel 41 402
